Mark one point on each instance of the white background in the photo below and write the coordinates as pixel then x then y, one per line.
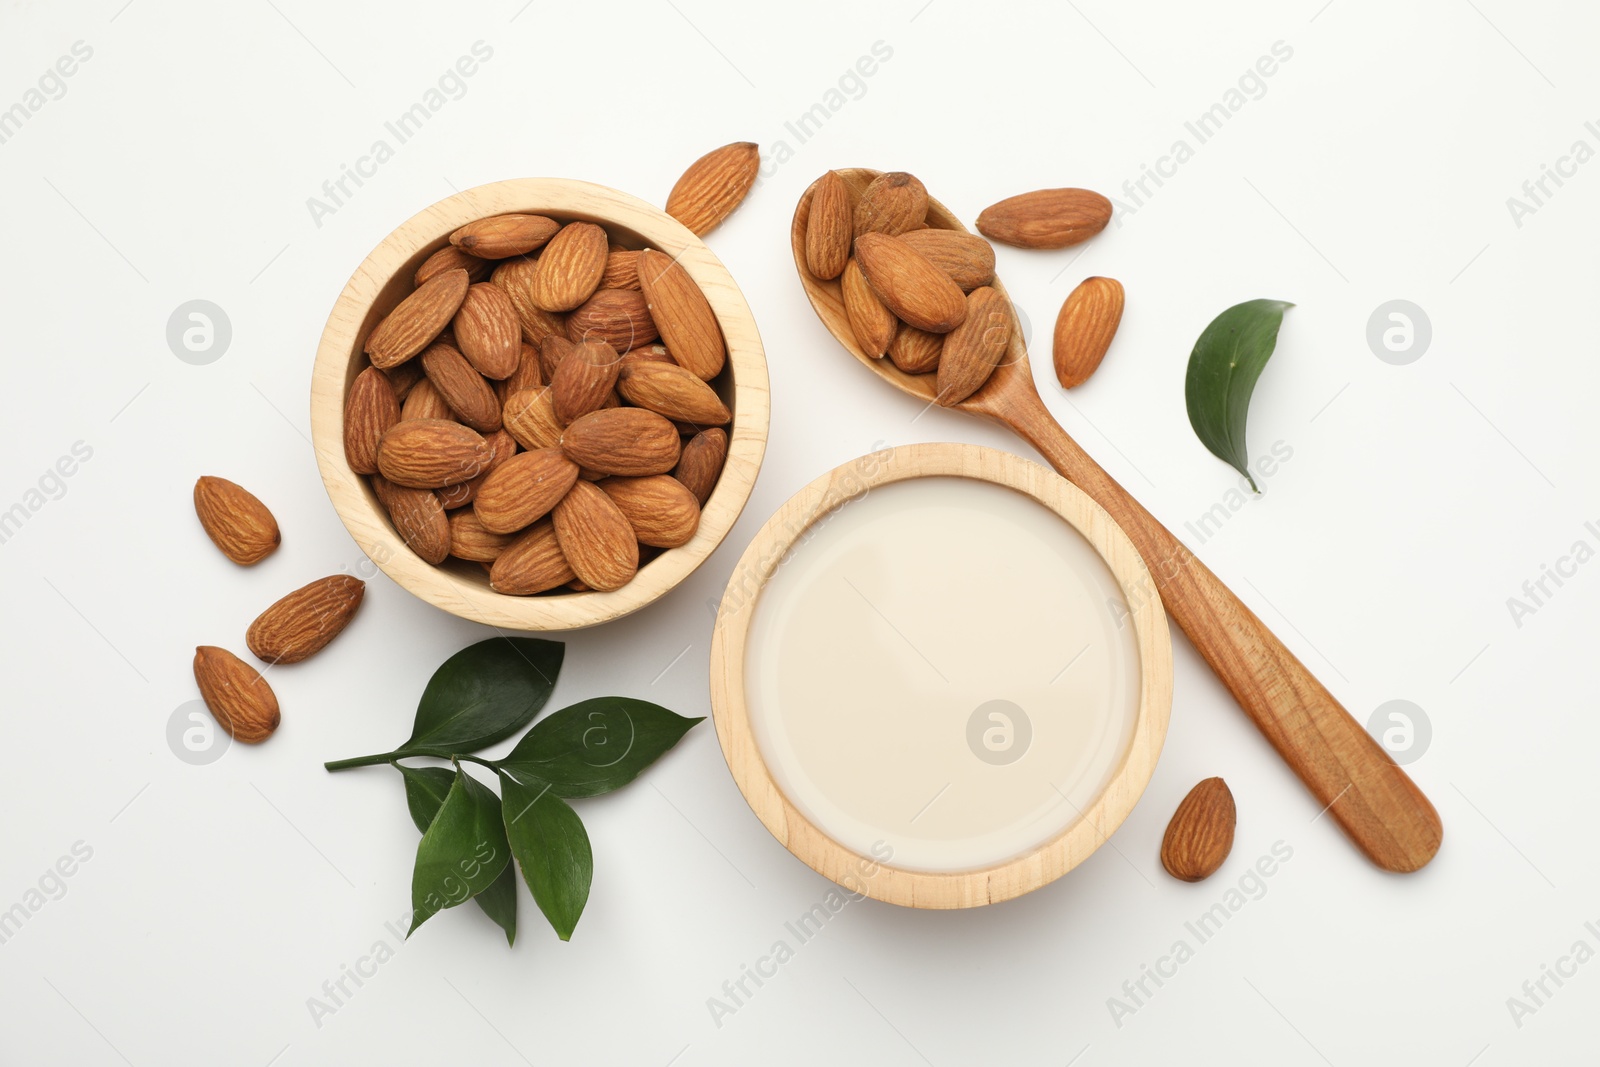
pixel 1376 166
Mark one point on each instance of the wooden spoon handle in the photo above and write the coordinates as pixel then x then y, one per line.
pixel 1382 810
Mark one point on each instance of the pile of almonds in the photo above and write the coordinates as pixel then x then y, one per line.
pixel 924 296
pixel 539 404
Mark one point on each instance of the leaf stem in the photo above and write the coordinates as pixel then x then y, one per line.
pixel 386 757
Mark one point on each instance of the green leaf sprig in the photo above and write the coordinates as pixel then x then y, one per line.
pixel 473 841
pixel 1223 369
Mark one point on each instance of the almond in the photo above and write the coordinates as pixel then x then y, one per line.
pixel 554 349
pixel 531 564
pixel 701 462
pixel 629 441
pixel 526 376
pixel 452 258
pixel 916 351
pixel 622 270
pixel 403 378
pixel 1048 218
pixel 966 257
pixel 530 416
pixel 515 278
pixel 909 284
pixel 680 310
pixel 370 408
pixel 596 537
pixel 583 381
pixel 830 227
pixel 893 204
pixel 871 322
pixel 619 317
pixel 302 623
pixel 239 698
pixel 502 446
pixel 425 402
pixel 668 389
pixel 488 331
pixel 570 267
pixel 237 523
pixel 417 516
pixel 1085 327
pixel 417 320
pixel 462 387
pixel 430 453
pixel 502 236
pixel 647 354
pixel 662 510
pixel 975 348
pixel 1200 835
pixel 470 540
pixel 522 490
pixel 714 185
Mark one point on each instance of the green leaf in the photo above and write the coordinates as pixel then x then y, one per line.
pixel 485 693
pixel 551 845
pixel 595 746
pixel 461 853
pixel 426 789
pixel 1223 369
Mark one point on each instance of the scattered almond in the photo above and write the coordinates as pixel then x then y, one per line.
pixel 239 698
pixel 714 185
pixel 302 623
pixel 237 523
pixel 1048 218
pixel 1085 327
pixel 1200 835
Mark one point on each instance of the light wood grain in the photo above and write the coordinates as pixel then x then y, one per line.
pixel 384 279
pixel 1349 773
pixel 920 889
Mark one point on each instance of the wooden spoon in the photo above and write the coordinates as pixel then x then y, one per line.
pixel 1378 806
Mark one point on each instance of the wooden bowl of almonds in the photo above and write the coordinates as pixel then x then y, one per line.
pixel 540 404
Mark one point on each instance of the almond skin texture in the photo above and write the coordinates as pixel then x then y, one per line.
pixel 909 284
pixel 596 538
pixel 530 417
pixel 425 402
pixel 469 539
pixel 302 623
pixel 1085 328
pixel 714 185
pixel 830 227
pixel 688 326
pixel 871 322
pixel 452 258
pixel 526 376
pixel 647 354
pixel 622 270
pixel 662 510
pixel 488 332
pixel 554 349
pixel 966 257
pixel 631 442
pixel 1200 835
pixel 239 698
pixel 522 490
pixel 503 236
pixel 418 319
pixel 403 378
pixel 515 278
pixel 370 408
pixel 470 397
pixel 431 453
pixel 893 204
pixel 1048 218
pixel 570 267
pixel 531 564
pixel 619 317
pixel 584 380
pixel 237 523
pixel 975 348
pixel 418 517
pixel 502 446
pixel 701 463
pixel 668 389
pixel 916 351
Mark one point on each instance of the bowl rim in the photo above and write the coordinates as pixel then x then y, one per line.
pixel 872 876
pixel 339 352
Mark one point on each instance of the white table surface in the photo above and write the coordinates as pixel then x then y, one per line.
pixel 1374 164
